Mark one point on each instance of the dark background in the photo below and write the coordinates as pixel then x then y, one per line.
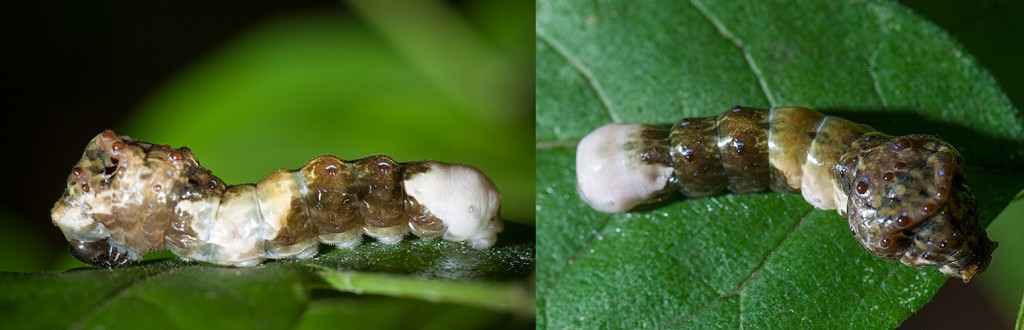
pixel 78 67
pixel 75 68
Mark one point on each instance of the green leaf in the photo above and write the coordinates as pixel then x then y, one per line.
pixel 381 312
pixel 273 295
pixel 164 295
pixel 1020 316
pixel 304 86
pixel 761 260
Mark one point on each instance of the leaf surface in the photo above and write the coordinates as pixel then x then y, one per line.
pixel 761 260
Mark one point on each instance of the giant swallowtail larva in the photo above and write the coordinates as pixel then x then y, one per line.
pixel 904 197
pixel 125 198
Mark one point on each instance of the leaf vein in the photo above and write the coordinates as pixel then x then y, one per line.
pixel 736 41
pixel 760 267
pixel 559 272
pixel 582 69
pixel 764 261
pixel 874 80
pixel 740 288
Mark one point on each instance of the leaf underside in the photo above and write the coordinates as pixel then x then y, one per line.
pixel 273 295
pixel 759 260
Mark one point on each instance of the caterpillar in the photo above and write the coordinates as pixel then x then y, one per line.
pixel 125 198
pixel 905 197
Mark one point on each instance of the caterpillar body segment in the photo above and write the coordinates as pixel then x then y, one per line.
pixel 904 197
pixel 126 198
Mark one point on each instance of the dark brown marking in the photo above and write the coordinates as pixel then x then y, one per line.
pixel 745 154
pixel 697 165
pixel 380 190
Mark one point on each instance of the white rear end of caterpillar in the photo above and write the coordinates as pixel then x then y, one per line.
pixel 462 198
pixel 611 174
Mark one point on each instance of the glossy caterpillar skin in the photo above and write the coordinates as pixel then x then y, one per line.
pixel 125 198
pixel 904 197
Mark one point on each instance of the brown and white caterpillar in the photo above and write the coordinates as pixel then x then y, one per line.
pixel 904 197
pixel 125 198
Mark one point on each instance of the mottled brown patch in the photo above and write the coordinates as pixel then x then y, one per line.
pixel 421 222
pixel 333 199
pixel 410 170
pixel 380 191
pixel 696 163
pixel 179 235
pixel 111 169
pixel 298 228
pixel 649 144
pixel 654 133
pixel 912 208
pixel 743 145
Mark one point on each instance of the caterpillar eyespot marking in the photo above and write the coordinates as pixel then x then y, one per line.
pixel 905 197
pixel 125 198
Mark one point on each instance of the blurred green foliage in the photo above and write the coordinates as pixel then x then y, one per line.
pixel 299 87
pixel 413 80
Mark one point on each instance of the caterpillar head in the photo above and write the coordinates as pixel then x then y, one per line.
pixel 907 200
pixel 120 196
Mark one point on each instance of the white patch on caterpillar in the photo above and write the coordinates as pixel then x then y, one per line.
pixel 275 195
pixel 840 197
pixel 233 236
pixel 612 179
pixel 788 145
pixel 815 187
pixel 816 184
pixel 462 198
pixel 74 221
pixel 202 214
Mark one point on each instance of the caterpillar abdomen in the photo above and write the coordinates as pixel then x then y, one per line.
pixel 904 197
pixel 126 198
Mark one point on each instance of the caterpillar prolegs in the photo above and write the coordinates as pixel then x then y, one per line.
pixel 126 197
pixel 904 197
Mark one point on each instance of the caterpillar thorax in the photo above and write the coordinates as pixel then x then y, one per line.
pixel 904 197
pixel 125 198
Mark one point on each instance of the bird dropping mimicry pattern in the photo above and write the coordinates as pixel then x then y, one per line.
pixel 905 197
pixel 125 198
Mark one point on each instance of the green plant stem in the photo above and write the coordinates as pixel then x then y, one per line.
pixel 503 296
